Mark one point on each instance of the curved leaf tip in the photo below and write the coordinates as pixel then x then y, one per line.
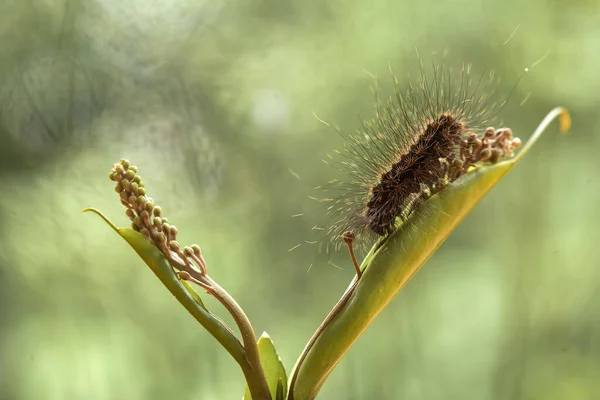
pixel 564 122
pixel 104 217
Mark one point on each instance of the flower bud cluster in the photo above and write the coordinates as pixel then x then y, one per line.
pixel 146 217
pixel 491 147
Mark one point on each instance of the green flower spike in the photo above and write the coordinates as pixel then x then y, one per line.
pixel 155 240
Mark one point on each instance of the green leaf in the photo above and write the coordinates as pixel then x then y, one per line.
pixel 273 367
pixel 182 290
pixel 281 387
pixel 193 293
pixel 394 260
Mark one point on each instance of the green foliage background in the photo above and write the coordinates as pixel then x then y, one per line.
pixel 214 102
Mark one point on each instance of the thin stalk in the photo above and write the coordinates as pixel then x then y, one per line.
pixel 258 380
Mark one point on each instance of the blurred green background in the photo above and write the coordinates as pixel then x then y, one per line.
pixel 214 102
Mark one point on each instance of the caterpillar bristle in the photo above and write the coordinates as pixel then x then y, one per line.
pixel 424 136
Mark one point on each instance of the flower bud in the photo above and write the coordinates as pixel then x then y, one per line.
pixel 134 187
pixel 129 175
pixel 174 246
pixel 485 154
pixel 516 142
pixel 196 250
pixel 496 154
pixel 129 212
pixel 187 251
pixel 149 204
pixel 146 234
pixel 161 237
pixel 348 236
pixel 184 275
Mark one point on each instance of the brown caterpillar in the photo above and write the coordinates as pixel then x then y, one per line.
pixel 426 135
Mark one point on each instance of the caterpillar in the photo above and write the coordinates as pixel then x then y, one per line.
pixel 423 137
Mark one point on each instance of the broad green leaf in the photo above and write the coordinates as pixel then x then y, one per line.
pixel 182 290
pixel 394 260
pixel 273 367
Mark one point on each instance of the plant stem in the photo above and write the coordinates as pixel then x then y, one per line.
pixel 253 371
pixel 332 314
pixel 258 382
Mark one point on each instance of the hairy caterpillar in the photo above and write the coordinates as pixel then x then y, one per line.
pixel 423 137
